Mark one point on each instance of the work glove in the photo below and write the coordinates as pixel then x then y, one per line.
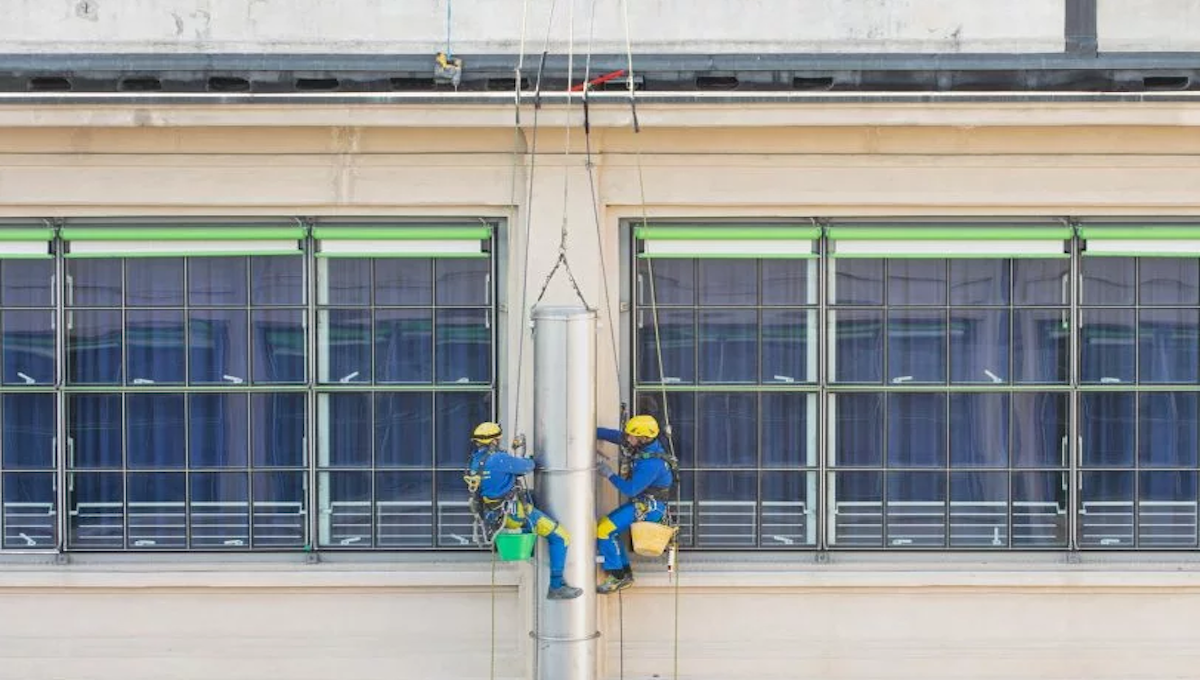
pixel 603 469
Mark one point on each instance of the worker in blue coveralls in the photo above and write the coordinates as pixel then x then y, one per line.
pixel 499 500
pixel 649 485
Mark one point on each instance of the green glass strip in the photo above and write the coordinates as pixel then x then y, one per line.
pixel 366 254
pixel 1177 253
pixel 209 253
pixel 934 255
pixel 1134 232
pixel 755 233
pixel 726 256
pixel 963 232
pixel 26 234
pixel 403 233
pixel 26 256
pixel 168 233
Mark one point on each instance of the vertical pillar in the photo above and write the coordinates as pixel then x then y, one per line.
pixel 564 412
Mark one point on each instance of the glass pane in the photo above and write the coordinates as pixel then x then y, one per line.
pixel 726 507
pixel 682 416
pixel 978 509
pixel 1108 346
pixel 220 509
pixel 857 282
pixel 789 509
pixel 916 282
pixel 789 282
pixel 94 347
pixel 94 283
pixel 346 509
pixel 404 507
pixel 26 283
pixel 1041 345
pixel 215 281
pixel 728 346
pixel 916 346
pixel 917 430
pixel 403 346
pixel 1039 510
pixel 857 355
pixel 94 429
pixel 979 282
pixel 1168 340
pixel 462 282
pixel 155 346
pixel 1108 280
pixel 154 282
pixel 728 430
pixel 979 350
pixel 1107 427
pixel 218 346
pixel 1169 281
pixel 277 280
pixel 464 346
pixel 1167 429
pixel 404 429
pixel 218 430
pixel 916 509
pixel 1039 433
pixel 347 340
pixel 1106 509
pixel 278 342
pixel 677 341
pixel 858 429
pixel 404 281
pixel 856 508
pixel 28 347
pixel 453 517
pixel 157 510
pixel 278 518
pixel 789 348
pixel 347 429
pixel 153 423
pixel 457 414
pixel 277 424
pixel 728 282
pixel 344 281
pixel 979 430
pixel 1167 509
pixel 97 511
pixel 30 516
pixel 789 435
pixel 29 431
pixel 674 282
pixel 1041 282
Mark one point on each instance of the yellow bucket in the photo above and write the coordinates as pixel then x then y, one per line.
pixel 650 539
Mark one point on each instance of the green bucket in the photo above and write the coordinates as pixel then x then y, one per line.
pixel 515 547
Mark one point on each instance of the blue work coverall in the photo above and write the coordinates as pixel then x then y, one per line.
pixel 648 472
pixel 500 473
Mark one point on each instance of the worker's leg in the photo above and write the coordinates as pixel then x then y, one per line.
pixel 608 537
pixel 557 540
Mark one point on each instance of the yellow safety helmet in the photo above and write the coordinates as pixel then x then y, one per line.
pixel 642 426
pixel 486 433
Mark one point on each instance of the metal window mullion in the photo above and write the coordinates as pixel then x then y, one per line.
pixel 1074 434
pixel 1136 504
pixel 309 285
pixel 946 542
pixel 58 290
pixel 819 504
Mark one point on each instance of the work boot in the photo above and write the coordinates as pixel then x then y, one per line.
pixel 614 583
pixel 563 592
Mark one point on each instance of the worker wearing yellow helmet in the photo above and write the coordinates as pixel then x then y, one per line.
pixel 499 500
pixel 649 485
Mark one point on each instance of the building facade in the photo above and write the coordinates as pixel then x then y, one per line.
pixel 916 287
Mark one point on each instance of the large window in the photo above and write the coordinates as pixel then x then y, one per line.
pixel 405 370
pixel 204 385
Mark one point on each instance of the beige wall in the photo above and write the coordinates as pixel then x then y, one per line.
pixel 405 618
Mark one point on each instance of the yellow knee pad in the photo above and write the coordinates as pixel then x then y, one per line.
pixel 605 529
pixel 546 526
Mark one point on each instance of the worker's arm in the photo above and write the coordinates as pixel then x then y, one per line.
pixel 607 435
pixel 506 462
pixel 644 474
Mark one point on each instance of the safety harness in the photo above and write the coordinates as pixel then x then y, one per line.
pixel 489 513
pixel 654 494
